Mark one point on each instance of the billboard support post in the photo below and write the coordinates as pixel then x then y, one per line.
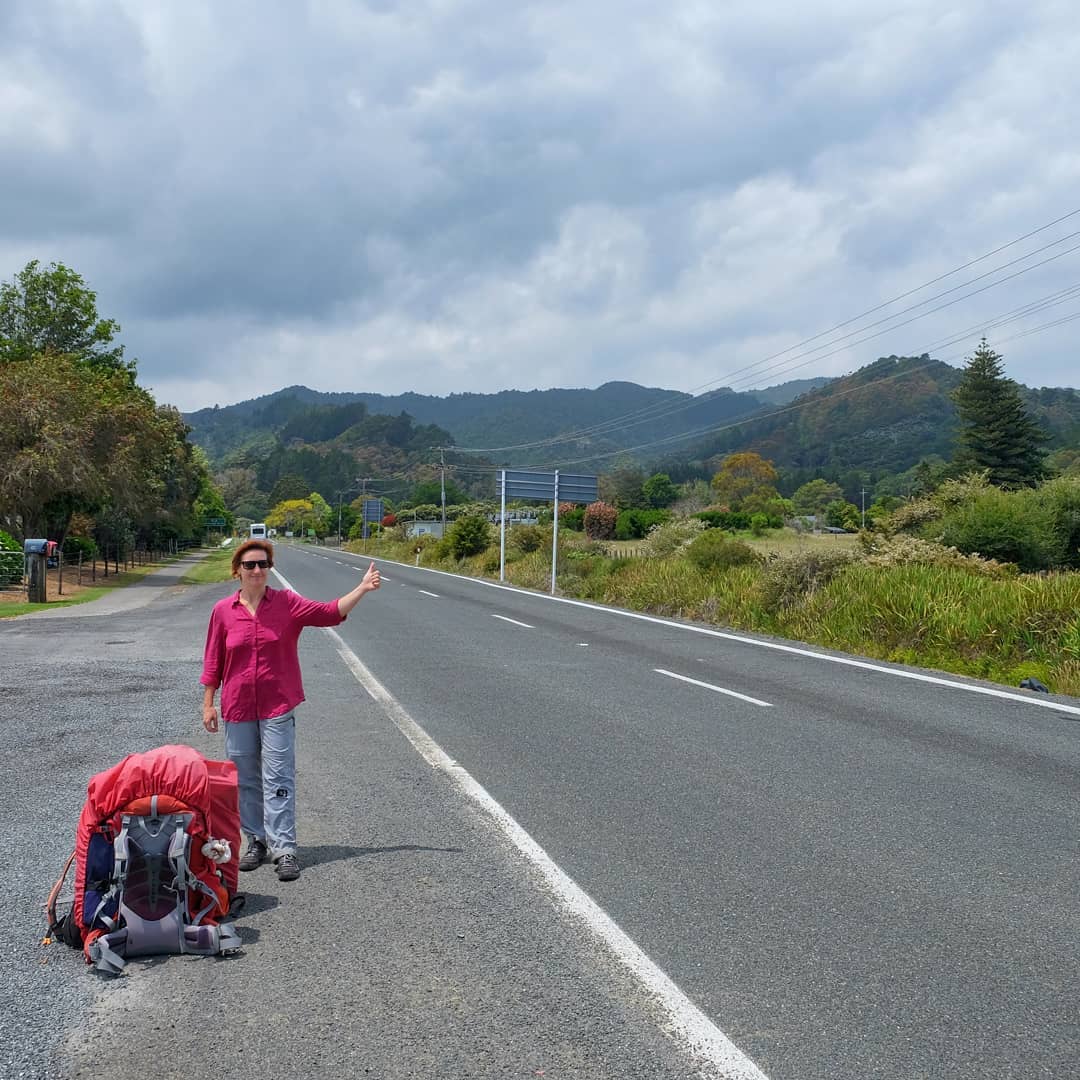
pixel 502 530
pixel 555 534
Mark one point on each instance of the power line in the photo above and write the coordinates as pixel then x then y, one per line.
pixel 661 409
pixel 801 404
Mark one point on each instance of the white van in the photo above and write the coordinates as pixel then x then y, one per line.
pixel 257 531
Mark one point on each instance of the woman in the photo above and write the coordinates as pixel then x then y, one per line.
pixel 251 653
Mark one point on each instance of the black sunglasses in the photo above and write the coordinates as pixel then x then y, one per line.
pixel 250 564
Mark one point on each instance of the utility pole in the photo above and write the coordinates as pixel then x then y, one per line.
pixel 442 486
pixel 363 495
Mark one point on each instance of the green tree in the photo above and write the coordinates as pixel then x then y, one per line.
pixel 742 475
pixel 430 491
pixel 292 515
pixel 622 487
pixel 659 491
pixel 468 536
pixel 51 312
pixel 325 520
pixel 996 432
pixel 288 488
pixel 842 514
pixel 815 495
pixel 76 437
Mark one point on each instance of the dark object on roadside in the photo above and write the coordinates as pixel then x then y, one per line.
pixel 1034 684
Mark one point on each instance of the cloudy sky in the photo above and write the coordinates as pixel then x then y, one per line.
pixel 474 195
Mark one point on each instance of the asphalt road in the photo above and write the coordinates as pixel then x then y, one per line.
pixel 851 873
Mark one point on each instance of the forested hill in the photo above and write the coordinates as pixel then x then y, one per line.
pixel 507 418
pixel 884 417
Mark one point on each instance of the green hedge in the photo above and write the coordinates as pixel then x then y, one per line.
pixel 635 524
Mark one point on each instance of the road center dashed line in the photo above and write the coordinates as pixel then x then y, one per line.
pixel 506 618
pixel 795 650
pixel 426 593
pixel 710 686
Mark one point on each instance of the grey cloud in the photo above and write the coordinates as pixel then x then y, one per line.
pixel 504 191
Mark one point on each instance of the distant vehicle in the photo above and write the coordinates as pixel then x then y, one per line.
pixel 257 531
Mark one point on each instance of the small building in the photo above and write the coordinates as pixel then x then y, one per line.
pixel 424 528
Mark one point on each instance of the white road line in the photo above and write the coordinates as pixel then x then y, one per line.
pixel 847 661
pixel 717 1057
pixel 504 618
pixel 426 593
pixel 709 686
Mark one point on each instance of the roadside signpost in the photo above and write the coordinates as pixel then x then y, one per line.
pixel 371 512
pixel 546 486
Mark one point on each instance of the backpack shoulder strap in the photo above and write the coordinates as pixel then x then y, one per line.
pixel 58 926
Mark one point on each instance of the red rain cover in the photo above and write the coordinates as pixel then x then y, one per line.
pixel 179 771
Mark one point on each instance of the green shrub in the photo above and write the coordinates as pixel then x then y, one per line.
pixel 786 579
pixel 902 550
pixel 11 560
pixel 635 524
pixel 527 538
pixel 713 550
pixel 468 536
pixel 1015 527
pixel 1062 496
pixel 732 520
pixel 74 546
pixel 574 518
pixel 664 540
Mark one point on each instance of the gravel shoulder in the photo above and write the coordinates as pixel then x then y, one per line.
pixel 414 944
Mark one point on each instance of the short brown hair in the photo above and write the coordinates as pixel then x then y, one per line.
pixel 251 545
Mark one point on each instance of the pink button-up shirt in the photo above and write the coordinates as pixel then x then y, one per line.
pixel 254 659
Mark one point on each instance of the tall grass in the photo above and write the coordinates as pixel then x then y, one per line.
pixel 936 616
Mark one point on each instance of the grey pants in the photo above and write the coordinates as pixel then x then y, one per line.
pixel 264 752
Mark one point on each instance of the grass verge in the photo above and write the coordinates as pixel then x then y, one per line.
pixel 934 616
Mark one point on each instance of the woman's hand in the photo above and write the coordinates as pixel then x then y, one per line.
pixel 371 579
pixel 368 583
pixel 210 718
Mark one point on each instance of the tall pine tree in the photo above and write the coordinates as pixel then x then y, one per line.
pixel 996 432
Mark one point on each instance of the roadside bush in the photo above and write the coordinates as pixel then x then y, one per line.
pixel 1062 496
pixel 664 540
pixel 786 579
pixel 468 536
pixel 635 524
pixel 732 520
pixel 902 550
pixel 1010 527
pixel 600 519
pixel 527 538
pixel 916 514
pixel 74 546
pixel 713 550
pixel 11 560
pixel 572 517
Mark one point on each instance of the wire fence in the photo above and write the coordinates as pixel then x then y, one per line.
pixel 80 570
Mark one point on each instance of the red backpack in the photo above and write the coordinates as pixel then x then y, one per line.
pixel 154 865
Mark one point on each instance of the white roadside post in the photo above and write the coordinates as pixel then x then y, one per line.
pixel 502 528
pixel 555 534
